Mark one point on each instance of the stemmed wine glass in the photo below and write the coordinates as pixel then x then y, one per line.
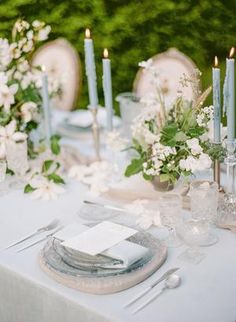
pixel 170 212
pixel 196 228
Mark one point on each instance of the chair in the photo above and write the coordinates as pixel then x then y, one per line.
pixel 172 65
pixel 62 61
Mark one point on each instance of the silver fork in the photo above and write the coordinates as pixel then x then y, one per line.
pixel 53 224
pixel 41 239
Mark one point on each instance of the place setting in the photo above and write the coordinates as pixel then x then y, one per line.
pixel 127 175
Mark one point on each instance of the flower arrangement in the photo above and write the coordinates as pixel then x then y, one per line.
pixel 171 141
pixel 20 84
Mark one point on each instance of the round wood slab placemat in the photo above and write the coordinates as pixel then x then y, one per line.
pixel 109 284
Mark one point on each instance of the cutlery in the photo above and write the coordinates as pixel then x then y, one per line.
pixel 53 224
pixel 171 282
pixel 40 240
pixel 147 289
pixel 104 206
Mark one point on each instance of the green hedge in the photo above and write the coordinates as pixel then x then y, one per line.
pixel 134 30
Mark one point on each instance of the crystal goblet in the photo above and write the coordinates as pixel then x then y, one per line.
pixel 170 213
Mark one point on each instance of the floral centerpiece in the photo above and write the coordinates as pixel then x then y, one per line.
pixel 20 84
pixel 171 142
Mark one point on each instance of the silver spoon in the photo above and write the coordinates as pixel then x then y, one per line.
pixel 53 224
pixel 171 282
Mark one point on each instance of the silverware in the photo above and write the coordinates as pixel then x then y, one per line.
pixel 147 289
pixel 40 240
pixel 171 282
pixel 53 224
pixel 104 206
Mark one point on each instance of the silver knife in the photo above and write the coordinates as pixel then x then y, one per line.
pixel 104 206
pixel 40 240
pixel 147 289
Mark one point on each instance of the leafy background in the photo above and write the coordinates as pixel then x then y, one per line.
pixel 134 30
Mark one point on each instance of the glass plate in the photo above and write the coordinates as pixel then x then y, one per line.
pixel 77 264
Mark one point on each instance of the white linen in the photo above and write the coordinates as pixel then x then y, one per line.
pixel 207 293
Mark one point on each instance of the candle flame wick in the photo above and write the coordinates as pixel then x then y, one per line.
pixel 87 33
pixel 43 68
pixel 231 53
pixel 216 61
pixel 105 53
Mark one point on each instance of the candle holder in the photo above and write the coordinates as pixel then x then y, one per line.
pixel 227 209
pixel 96 132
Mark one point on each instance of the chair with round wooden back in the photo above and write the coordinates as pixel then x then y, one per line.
pixel 172 66
pixel 62 62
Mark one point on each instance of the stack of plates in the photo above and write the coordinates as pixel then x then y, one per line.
pixel 99 274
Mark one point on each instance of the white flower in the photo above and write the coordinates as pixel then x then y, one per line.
pixel 15 51
pixel 30 34
pixel 45 189
pixel 28 46
pixel 26 80
pixel 204 162
pixel 146 64
pixel 7 96
pixel 9 133
pixel 194 146
pixel 5 54
pixel 28 111
pixel 146 217
pixel 37 24
pixel 43 33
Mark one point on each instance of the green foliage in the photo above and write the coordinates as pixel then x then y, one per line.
pixel 134 30
pixel 28 189
pixel 135 167
pixel 55 144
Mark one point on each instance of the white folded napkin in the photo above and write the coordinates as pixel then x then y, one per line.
pixel 125 251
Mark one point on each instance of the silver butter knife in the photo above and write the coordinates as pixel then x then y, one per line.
pixel 104 206
pixel 147 289
pixel 40 240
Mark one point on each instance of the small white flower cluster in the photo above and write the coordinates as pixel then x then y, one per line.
pixel 205 116
pixel 160 154
pixel 140 128
pixel 97 175
pixel 115 142
pixel 197 160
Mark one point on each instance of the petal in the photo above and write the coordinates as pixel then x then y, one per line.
pixel 19 136
pixel 11 127
pixel 13 88
pixel 2 131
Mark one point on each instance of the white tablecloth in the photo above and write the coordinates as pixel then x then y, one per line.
pixel 207 294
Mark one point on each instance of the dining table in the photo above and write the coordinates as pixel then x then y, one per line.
pixel 207 292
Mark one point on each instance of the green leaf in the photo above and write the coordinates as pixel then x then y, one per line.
pixel 46 165
pixel 147 177
pixel 28 189
pixel 181 136
pixel 135 166
pixel 55 178
pixel 10 172
pixel 55 146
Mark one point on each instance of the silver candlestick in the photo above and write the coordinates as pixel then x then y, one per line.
pixel 96 133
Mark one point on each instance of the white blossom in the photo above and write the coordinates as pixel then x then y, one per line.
pixel 194 146
pixel 45 189
pixel 7 97
pixel 28 110
pixel 115 142
pixel 5 54
pixel 146 64
pixel 43 33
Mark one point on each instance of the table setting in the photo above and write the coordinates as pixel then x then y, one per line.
pixel 115 218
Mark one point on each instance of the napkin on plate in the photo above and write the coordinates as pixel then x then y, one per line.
pixel 125 251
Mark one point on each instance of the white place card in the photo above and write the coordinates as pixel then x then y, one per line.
pixel 99 238
pixel 70 231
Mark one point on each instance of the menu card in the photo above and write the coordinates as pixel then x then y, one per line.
pixel 99 238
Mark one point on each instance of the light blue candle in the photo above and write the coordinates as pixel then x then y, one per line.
pixel 216 101
pixel 107 89
pixel 229 97
pixel 90 70
pixel 46 109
